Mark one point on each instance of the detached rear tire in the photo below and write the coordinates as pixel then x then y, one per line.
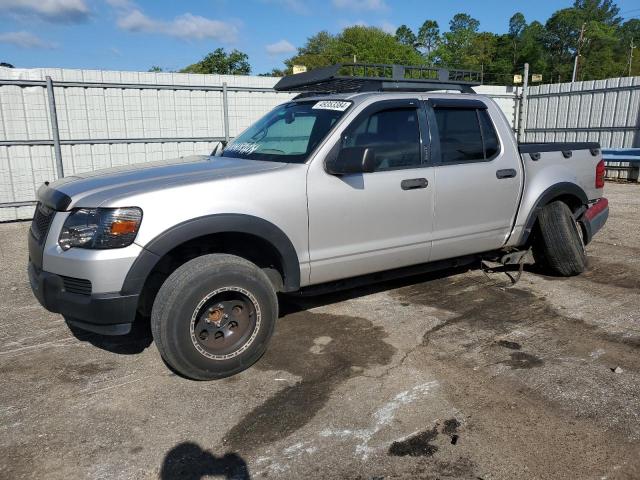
pixel 560 245
pixel 213 316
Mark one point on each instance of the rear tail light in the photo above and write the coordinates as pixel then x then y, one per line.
pixel 600 174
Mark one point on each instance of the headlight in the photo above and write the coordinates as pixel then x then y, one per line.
pixel 100 228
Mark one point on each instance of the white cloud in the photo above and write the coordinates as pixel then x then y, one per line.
pixel 24 39
pixel 186 26
pixel 388 27
pixel 55 11
pixel 280 48
pixel 361 5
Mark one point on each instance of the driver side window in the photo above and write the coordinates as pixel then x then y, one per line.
pixel 393 135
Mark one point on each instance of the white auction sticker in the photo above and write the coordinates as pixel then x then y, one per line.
pixel 332 105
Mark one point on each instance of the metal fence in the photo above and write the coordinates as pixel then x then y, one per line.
pixel 605 111
pixel 64 122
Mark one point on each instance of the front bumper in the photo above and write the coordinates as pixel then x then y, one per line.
pixel 104 313
pixel 594 218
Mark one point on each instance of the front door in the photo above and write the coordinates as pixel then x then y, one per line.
pixel 369 222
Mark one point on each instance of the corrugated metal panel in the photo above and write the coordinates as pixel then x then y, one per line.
pixel 606 111
pixel 114 113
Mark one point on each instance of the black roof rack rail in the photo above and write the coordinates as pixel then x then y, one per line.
pixel 369 77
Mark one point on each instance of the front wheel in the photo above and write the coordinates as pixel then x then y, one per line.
pixel 561 245
pixel 214 316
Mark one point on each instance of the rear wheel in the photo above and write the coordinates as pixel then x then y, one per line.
pixel 561 243
pixel 214 316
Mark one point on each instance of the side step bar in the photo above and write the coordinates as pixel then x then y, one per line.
pixel 394 274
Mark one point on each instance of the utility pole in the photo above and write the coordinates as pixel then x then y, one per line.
pixel 631 47
pixel 575 61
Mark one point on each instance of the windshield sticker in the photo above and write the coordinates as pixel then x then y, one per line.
pixel 332 105
pixel 246 148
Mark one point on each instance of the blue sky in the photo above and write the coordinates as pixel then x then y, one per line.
pixel 133 35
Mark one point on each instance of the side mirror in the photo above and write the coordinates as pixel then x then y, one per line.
pixel 352 160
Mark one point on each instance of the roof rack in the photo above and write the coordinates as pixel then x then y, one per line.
pixel 368 77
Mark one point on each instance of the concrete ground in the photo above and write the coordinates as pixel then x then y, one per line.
pixel 440 376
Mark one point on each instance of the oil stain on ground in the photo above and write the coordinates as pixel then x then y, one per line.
pixel 355 342
pixel 421 444
pixel 510 345
pixel 482 314
pixel 523 360
pixel 418 445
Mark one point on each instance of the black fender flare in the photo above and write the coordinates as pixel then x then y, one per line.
pixel 207 225
pixel 554 191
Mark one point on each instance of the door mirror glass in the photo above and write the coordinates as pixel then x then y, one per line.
pixel 352 160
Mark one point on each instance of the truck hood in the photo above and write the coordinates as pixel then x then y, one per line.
pixel 98 186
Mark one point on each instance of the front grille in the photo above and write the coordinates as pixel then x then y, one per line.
pixel 42 219
pixel 77 285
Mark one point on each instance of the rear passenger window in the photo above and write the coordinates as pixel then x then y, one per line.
pixel 489 136
pixel 466 135
pixel 394 136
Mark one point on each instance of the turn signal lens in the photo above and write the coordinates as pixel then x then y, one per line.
pixel 123 227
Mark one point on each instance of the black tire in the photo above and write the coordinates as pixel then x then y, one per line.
pixel 181 318
pixel 560 245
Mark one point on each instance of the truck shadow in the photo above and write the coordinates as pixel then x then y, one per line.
pixel 293 303
pixel 188 461
pixel 132 343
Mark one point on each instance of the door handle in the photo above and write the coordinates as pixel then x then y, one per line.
pixel 413 183
pixel 506 173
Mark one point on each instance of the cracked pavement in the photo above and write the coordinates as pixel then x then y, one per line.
pixel 446 376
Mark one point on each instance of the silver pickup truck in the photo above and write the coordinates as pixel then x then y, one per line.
pixel 359 177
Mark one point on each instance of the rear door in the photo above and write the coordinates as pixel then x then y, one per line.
pixel 477 178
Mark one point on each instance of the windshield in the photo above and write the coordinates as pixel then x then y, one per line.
pixel 288 133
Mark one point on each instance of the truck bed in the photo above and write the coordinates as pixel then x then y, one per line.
pixel 564 165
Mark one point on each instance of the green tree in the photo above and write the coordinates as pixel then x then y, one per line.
pixel 221 62
pixel 318 51
pixel 405 36
pixel 601 11
pixel 630 35
pixel 365 44
pixel 155 68
pixel 517 26
pixel 549 48
pixel 591 28
pixel 429 37
pixel 533 50
pixel 456 49
pixel 563 32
